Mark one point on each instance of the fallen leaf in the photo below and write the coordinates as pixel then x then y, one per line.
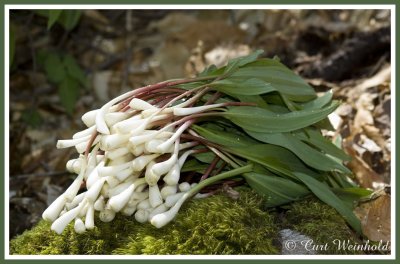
pixel 376 223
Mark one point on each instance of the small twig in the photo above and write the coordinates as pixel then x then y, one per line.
pixel 39 174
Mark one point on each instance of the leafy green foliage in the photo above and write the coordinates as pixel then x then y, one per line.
pixel 32 117
pixel 68 19
pixel 262 120
pixel 325 194
pixel 275 190
pixel 280 135
pixel 53 17
pixel 279 77
pixel 64 71
pixel 69 93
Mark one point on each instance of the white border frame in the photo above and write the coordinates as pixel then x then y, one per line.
pixel 7 256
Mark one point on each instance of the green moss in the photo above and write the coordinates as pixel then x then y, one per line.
pixel 321 223
pixel 216 225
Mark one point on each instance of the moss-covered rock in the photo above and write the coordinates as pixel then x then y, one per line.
pixel 215 225
pixel 321 223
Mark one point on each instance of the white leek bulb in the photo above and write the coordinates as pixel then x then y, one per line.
pixel 116 153
pixel 162 219
pixel 184 186
pixel 111 181
pixel 145 204
pixel 141 215
pixel 150 176
pixel 168 190
pixel 79 226
pixel 160 209
pixel 67 143
pixel 178 111
pixel 112 170
pixel 151 146
pixel 100 122
pixel 128 211
pixel 162 168
pixel 137 150
pixel 73 189
pixel 77 199
pixel 84 133
pixel 81 147
pixel 99 204
pixel 89 118
pixel 59 225
pixel 125 174
pixel 107 215
pixel 172 177
pixel 94 190
pixel 54 210
pixel 89 218
pixel 115 117
pixel 117 202
pixel 109 142
pixel 140 162
pixel 155 198
pixel 167 144
pixel 172 199
pixel 149 112
pixel 139 104
pixel 94 176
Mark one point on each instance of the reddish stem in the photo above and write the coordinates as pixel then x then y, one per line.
pixel 210 168
pixel 89 145
pixel 213 98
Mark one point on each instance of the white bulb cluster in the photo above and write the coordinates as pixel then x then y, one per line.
pixel 130 162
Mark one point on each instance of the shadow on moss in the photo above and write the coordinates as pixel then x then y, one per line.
pixel 321 223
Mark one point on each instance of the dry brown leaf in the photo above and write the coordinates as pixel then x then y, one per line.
pixel 376 223
pixel 365 175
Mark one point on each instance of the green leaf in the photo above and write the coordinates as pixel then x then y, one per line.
pixel 275 190
pixel 315 138
pixel 234 64
pixel 307 154
pixel 54 68
pixel 279 76
pixel 325 194
pixel 262 120
pixel 194 165
pixel 12 44
pixel 258 100
pixel 69 18
pixel 274 158
pixel 351 196
pixel 74 70
pixel 206 157
pixel 53 16
pixel 209 71
pixel 222 137
pixel 241 86
pixel 42 12
pixel 32 117
pixel 69 93
pixel 318 102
